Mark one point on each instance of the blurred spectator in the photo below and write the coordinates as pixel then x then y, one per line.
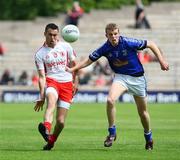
pixel 100 81
pixel 35 79
pixel 85 74
pixel 2 50
pixel 7 78
pixel 140 17
pixel 146 57
pixel 23 79
pixel 101 68
pixel 98 68
pixel 107 69
pixel 84 77
pixel 74 14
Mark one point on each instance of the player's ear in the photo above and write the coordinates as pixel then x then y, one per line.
pixel 106 35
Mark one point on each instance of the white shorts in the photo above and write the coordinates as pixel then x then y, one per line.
pixel 134 85
pixel 60 103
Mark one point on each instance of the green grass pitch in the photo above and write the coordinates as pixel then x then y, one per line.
pixel 85 131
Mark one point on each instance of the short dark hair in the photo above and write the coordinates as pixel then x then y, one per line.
pixel 111 26
pixel 51 26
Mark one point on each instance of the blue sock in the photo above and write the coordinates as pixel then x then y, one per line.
pixel 112 130
pixel 148 136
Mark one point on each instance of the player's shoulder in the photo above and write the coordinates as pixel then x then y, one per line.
pixel 130 40
pixel 106 45
pixel 40 50
pixel 126 39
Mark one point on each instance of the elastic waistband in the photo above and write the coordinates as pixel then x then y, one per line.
pixel 139 74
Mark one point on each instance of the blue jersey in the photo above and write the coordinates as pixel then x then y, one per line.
pixel 123 58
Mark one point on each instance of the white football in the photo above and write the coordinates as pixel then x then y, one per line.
pixel 70 33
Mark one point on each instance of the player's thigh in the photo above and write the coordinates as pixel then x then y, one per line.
pixel 116 90
pixel 52 97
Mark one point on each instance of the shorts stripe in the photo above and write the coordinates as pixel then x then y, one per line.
pixel 63 104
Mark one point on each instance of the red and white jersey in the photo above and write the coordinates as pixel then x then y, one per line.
pixel 54 61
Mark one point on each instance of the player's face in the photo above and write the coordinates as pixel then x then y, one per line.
pixel 113 36
pixel 52 37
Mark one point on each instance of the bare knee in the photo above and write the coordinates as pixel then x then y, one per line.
pixel 110 102
pixel 144 115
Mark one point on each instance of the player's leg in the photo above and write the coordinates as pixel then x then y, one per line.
pixel 45 127
pixel 137 86
pixel 63 105
pixel 60 123
pixel 60 120
pixel 141 103
pixel 115 91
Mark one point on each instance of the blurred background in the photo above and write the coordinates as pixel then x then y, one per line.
pixel 22 25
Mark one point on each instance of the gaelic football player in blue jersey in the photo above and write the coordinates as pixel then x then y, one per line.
pixel 121 53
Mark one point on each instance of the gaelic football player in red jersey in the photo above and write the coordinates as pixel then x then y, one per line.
pixel 56 85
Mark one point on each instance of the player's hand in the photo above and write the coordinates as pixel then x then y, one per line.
pixel 69 69
pixel 75 89
pixel 165 66
pixel 39 105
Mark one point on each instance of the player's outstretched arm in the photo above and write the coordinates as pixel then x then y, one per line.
pixel 86 62
pixel 158 53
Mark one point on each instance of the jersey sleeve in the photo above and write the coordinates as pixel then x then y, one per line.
pixel 136 43
pixel 39 61
pixel 98 53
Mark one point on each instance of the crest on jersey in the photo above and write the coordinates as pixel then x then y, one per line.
pixel 62 54
pixel 55 55
pixel 47 56
pixel 124 52
pixel 109 55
